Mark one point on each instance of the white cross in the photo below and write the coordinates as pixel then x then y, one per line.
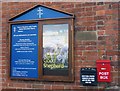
pixel 14 29
pixel 40 12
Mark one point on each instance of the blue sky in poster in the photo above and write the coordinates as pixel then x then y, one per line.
pixel 40 12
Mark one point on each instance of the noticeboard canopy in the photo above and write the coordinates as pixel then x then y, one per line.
pixel 40 12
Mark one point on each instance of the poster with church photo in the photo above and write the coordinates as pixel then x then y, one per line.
pixel 55 46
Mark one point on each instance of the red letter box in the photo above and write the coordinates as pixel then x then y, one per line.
pixel 103 71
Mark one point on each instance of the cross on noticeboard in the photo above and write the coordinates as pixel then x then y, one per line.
pixel 14 29
pixel 40 12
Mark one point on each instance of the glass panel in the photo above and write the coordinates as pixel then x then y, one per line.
pixel 55 49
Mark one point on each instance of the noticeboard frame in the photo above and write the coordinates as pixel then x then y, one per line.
pixel 41 77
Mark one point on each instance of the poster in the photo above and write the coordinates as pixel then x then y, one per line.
pixel 24 50
pixel 55 49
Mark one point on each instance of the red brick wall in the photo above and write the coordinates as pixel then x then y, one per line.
pixel 0 47
pixel 101 19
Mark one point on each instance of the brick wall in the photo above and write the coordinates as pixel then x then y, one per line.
pixel 0 46
pixel 96 34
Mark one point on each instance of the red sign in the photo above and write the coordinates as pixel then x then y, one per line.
pixel 103 71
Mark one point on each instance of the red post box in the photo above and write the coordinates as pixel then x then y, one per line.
pixel 103 71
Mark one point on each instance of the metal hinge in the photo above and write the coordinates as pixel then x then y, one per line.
pixel 72 71
pixel 71 28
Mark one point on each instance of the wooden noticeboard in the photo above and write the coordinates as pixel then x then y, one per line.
pixel 42 45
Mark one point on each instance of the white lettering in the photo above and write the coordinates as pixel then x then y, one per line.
pixel 103 73
pixel 103 77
